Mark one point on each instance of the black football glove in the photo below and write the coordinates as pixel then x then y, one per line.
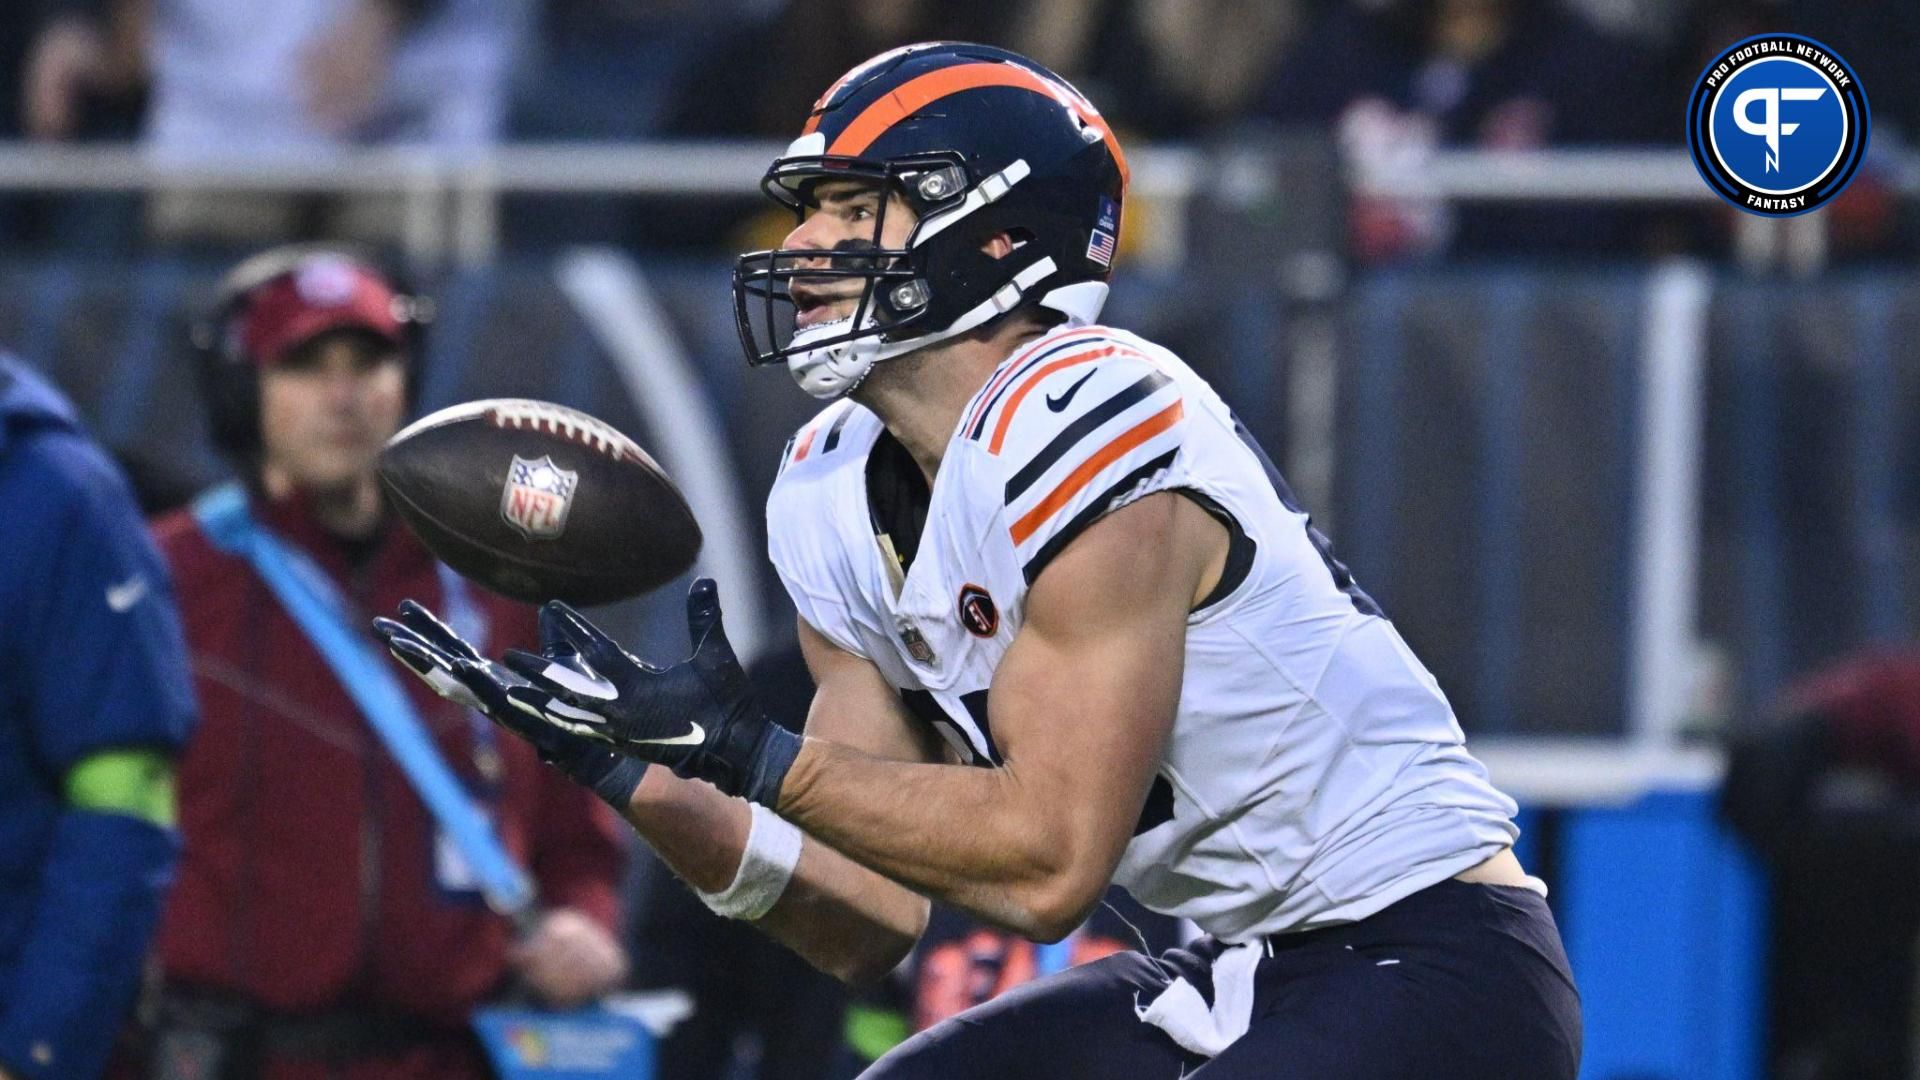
pixel 457 672
pixel 699 717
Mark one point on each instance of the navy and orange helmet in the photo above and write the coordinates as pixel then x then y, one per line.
pixel 980 142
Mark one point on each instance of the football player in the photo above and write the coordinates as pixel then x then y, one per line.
pixel 1068 627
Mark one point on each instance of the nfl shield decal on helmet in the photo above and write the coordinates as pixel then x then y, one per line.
pixel 537 497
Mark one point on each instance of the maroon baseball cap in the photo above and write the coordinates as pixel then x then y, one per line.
pixel 323 293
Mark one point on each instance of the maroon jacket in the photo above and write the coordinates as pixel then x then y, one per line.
pixel 1870 706
pixel 307 880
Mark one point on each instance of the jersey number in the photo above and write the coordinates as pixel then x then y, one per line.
pixel 1342 577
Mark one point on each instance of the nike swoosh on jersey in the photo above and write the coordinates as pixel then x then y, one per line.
pixel 692 738
pixel 123 596
pixel 1060 402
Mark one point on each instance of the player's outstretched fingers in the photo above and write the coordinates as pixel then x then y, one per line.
pixel 563 623
pixel 410 649
pixel 423 622
pixel 703 614
pixel 457 680
pixel 561 679
pixel 555 644
pixel 547 709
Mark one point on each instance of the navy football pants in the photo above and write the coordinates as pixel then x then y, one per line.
pixel 1456 982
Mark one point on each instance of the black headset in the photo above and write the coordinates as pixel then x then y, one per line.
pixel 230 378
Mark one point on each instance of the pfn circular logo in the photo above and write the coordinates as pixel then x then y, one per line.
pixel 1777 124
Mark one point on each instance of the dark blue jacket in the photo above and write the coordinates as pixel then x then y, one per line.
pixel 91 659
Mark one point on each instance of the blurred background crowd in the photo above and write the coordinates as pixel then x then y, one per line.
pixel 1389 81
pixel 1345 215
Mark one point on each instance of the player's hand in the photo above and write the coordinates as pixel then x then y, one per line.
pixel 569 959
pixel 698 717
pixel 456 671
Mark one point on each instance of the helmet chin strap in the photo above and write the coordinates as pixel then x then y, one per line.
pixel 832 371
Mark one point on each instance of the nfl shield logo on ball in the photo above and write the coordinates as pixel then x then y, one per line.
pixel 537 497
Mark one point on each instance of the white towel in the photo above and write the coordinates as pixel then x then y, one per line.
pixel 1182 1013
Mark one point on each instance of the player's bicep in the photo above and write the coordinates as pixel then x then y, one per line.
pixel 1085 700
pixel 855 706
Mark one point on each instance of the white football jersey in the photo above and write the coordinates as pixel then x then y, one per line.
pixel 1315 773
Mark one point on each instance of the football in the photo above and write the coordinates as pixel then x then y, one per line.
pixel 539 502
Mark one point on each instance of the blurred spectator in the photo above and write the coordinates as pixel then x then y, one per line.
pixel 615 70
pixel 322 918
pixel 240 79
pixel 69 70
pixel 612 69
pixel 94 704
pixel 1395 82
pixel 80 55
pixel 757 75
pixel 1167 69
pixel 270 76
pixel 762 79
pixel 1828 791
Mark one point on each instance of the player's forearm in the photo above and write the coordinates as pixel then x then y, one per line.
pixel 980 839
pixel 841 917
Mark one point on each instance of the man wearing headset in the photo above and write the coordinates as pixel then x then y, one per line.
pixel 322 918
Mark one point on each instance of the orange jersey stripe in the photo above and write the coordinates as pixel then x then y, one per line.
pixel 806 443
pixel 985 400
pixel 917 93
pixel 1146 429
pixel 1020 392
pixel 1007 375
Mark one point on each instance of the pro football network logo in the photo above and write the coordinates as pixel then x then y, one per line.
pixel 537 496
pixel 1778 124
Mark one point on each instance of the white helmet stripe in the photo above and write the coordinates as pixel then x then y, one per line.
pixel 989 190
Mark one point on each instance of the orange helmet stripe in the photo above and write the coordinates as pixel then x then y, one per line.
pixel 917 93
pixel 813 118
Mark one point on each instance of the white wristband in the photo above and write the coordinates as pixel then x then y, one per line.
pixel 773 849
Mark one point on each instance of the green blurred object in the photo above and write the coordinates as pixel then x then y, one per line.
pixel 872 1031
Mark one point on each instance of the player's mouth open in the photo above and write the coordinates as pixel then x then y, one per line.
pixel 813 306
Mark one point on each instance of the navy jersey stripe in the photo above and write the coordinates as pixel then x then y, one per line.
pixel 980 425
pixel 1074 433
pixel 926 708
pixel 1058 541
pixel 1342 577
pixel 833 433
pixel 1158 809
